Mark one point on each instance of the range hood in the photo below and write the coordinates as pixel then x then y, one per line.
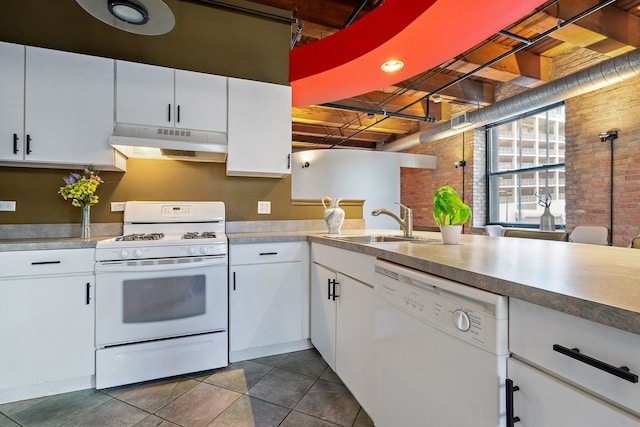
pixel 162 143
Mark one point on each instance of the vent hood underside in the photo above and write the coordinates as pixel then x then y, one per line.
pixel 160 143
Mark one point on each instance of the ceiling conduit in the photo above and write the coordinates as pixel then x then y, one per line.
pixel 601 75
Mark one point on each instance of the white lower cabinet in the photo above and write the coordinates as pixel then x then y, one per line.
pixel 342 317
pixel 323 312
pixel 569 371
pixel 47 319
pixel 542 400
pixel 268 299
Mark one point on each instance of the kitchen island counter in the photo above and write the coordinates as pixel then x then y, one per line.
pixel 598 283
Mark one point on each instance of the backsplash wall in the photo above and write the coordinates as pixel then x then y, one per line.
pixel 38 201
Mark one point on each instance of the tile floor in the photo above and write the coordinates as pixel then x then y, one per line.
pixel 290 390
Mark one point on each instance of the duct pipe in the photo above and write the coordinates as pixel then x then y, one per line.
pixel 596 77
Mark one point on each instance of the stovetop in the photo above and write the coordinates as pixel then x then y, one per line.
pixel 159 236
pixel 167 230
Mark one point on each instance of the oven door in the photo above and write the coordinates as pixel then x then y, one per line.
pixel 147 300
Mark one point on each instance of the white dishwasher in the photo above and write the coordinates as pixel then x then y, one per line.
pixel 440 351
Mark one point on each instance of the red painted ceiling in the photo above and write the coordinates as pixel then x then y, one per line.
pixel 421 33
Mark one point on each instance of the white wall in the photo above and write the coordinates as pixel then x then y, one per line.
pixel 355 174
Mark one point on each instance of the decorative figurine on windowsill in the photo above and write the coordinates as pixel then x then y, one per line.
pixel 547 220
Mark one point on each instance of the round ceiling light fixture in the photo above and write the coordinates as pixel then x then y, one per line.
pixel 146 17
pixel 392 65
pixel 128 11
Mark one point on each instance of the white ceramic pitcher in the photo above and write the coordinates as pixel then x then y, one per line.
pixel 333 214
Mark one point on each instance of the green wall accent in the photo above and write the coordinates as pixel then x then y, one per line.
pixel 38 201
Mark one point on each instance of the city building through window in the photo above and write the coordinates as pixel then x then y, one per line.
pixel 525 168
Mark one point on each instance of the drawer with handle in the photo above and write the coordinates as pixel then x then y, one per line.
pixel 599 358
pixel 46 262
pixel 263 253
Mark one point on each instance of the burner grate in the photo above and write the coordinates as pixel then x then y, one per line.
pixel 203 235
pixel 140 236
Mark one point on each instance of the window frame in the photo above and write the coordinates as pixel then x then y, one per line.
pixel 518 171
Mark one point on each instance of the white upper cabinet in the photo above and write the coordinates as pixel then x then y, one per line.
pixel 201 101
pixel 259 129
pixel 65 116
pixel 160 96
pixel 11 101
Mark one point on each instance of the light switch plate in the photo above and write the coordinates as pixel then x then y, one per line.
pixel 8 206
pixel 117 206
pixel 264 207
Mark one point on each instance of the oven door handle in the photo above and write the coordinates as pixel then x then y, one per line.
pixel 134 266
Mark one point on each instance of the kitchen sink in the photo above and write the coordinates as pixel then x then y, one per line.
pixel 385 239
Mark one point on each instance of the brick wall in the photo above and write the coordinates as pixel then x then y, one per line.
pixel 418 185
pixel 588 164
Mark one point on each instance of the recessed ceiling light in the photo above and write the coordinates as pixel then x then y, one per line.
pixel 128 11
pixel 146 17
pixel 392 65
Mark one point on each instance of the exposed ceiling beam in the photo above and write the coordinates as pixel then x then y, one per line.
pixel 610 22
pixel 528 69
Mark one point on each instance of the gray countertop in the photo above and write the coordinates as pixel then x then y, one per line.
pixel 598 283
pixel 49 243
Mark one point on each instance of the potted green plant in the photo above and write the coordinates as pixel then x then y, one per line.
pixel 450 214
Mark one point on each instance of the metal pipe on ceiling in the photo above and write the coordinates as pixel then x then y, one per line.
pixel 596 77
pixel 354 14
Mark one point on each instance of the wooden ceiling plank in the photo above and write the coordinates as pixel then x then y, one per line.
pixel 521 63
pixel 348 119
pixel 610 22
pixel 466 90
pixel 323 131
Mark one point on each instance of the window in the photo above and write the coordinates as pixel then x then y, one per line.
pixel 525 161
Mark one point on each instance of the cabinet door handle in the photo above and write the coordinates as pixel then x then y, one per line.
pixel 331 289
pixel 28 144
pixel 169 113
pixel 510 388
pixel 15 143
pixel 88 293
pixel 288 161
pixel 620 372
pixel 45 262
pixel 178 115
pixel 268 253
pixel 234 280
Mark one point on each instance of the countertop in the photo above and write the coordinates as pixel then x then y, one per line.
pixel 598 283
pixel 49 243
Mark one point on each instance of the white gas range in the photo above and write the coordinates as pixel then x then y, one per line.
pixel 161 293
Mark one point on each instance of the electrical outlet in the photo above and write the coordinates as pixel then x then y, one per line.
pixel 7 206
pixel 117 206
pixel 264 207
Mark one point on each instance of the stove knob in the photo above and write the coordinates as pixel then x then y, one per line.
pixel 461 320
pixel 204 250
pixel 191 250
pixel 137 253
pixel 122 253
